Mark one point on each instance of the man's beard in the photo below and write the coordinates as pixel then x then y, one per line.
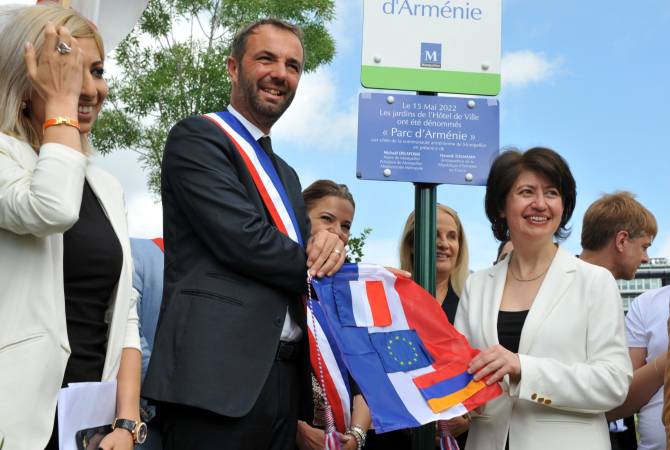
pixel 263 110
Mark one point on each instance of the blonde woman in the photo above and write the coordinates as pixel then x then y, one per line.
pixel 66 312
pixel 451 261
pixel 451 266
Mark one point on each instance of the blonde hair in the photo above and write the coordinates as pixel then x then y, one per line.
pixel 460 273
pixel 27 25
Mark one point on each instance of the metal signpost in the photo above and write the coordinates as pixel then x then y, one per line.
pixel 429 46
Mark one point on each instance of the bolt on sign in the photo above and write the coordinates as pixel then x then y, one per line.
pixel 450 46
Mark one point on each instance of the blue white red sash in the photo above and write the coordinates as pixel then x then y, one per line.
pixel 262 171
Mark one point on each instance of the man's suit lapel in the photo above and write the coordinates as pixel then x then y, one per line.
pixel 556 283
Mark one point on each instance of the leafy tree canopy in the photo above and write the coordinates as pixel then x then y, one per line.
pixel 173 65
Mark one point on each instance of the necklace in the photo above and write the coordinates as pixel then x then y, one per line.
pixel 526 280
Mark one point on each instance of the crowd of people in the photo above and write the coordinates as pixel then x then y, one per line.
pixel 208 324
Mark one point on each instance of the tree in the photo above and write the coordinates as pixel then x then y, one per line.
pixel 173 65
pixel 356 245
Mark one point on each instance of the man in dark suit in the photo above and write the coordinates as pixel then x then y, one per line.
pixel 230 365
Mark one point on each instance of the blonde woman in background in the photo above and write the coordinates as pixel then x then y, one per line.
pixel 66 312
pixel 451 267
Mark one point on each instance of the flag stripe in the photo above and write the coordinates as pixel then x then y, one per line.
pixel 335 380
pixel 431 389
pixel 448 401
pixel 361 307
pixel 381 316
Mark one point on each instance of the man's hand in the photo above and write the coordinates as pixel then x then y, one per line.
pixel 308 437
pixel 325 254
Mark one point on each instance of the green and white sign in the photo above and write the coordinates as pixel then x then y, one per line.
pixel 431 45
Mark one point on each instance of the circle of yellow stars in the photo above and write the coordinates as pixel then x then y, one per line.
pixel 403 339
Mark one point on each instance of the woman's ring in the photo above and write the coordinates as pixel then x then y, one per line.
pixel 337 252
pixel 63 48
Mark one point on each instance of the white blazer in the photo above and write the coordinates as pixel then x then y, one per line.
pixel 574 360
pixel 40 197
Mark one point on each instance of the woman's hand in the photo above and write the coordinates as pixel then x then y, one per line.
pixel 309 438
pixel 493 363
pixel 119 439
pixel 57 77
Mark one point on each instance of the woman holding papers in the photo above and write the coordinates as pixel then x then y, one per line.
pixel 451 266
pixel 330 206
pixel 66 312
pixel 550 326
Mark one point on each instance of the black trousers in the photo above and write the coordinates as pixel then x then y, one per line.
pixel 270 425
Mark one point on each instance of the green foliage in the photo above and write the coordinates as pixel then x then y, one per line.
pixel 356 245
pixel 173 66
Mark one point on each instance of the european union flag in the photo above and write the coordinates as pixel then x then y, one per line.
pixel 400 351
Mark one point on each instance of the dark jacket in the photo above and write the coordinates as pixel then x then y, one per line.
pixel 229 276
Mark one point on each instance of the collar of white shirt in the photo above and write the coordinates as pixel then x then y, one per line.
pixel 255 132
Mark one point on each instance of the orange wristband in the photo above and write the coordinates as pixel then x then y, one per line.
pixel 60 120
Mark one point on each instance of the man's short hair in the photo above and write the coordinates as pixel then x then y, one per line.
pixel 239 45
pixel 612 213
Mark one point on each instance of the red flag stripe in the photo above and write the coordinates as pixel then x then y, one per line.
pixel 159 242
pixel 379 307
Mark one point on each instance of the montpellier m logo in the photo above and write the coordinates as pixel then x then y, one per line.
pixel 431 55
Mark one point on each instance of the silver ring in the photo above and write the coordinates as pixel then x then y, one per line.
pixel 63 48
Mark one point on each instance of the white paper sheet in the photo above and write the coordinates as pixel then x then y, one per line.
pixel 82 406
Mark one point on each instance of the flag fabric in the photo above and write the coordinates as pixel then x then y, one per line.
pixel 331 370
pixel 411 369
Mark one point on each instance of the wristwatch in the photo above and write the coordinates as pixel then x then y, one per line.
pixel 136 428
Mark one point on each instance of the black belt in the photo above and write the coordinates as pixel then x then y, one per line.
pixel 287 351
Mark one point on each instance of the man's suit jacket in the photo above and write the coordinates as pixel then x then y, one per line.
pixel 229 276
pixel 573 354
pixel 40 199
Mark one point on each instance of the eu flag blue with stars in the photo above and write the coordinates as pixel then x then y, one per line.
pixel 400 351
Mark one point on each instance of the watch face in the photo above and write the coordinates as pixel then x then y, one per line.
pixel 142 433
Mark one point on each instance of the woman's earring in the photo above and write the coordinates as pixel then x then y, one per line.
pixel 24 105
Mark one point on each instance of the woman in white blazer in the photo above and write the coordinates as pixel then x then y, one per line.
pixel 47 108
pixel 550 326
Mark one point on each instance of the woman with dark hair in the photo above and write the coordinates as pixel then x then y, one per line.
pixel 330 206
pixel 550 325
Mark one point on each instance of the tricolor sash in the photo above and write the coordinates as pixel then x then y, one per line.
pixel 262 172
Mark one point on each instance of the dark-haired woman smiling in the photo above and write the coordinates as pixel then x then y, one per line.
pixel 550 325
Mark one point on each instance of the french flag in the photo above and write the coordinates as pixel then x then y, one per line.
pixel 411 369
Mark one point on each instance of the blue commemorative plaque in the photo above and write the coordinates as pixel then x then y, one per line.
pixel 426 139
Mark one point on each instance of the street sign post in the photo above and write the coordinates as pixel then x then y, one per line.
pixel 429 46
pixel 432 45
